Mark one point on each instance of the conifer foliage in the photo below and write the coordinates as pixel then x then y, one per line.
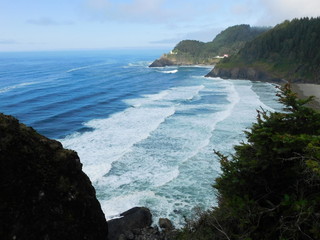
pixel 270 187
pixel 229 41
pixel 290 51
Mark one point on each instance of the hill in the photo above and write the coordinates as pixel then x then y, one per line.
pixel 228 42
pixel 290 51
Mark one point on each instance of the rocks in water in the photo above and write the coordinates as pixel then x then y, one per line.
pixel 243 73
pixel 135 218
pixel 165 224
pixel 135 224
pixel 44 192
pixel 162 62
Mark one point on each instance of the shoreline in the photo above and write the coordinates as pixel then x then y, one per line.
pixel 304 90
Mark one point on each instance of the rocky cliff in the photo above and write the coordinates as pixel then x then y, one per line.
pixel 44 192
pixel 248 73
pixel 163 62
pixel 135 224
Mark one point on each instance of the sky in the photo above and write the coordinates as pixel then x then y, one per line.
pixel 40 25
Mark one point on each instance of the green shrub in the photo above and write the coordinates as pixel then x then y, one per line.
pixel 270 187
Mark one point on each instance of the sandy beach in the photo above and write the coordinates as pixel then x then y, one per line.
pixel 305 90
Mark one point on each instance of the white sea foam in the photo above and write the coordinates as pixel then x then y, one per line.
pixel 267 94
pixel 9 88
pixel 206 124
pixel 113 137
pixel 156 151
pixel 78 68
pixel 154 163
pixel 118 204
pixel 165 177
pixel 170 72
pixel 160 206
pixel 183 93
pixel 136 172
pixel 138 64
pixel 242 116
pixel 86 67
pixel 173 94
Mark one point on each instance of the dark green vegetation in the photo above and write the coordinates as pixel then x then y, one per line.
pixel 228 42
pixel 44 193
pixel 289 51
pixel 270 187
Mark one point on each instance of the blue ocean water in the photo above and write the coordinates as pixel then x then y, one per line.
pixel 145 135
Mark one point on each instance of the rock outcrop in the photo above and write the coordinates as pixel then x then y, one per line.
pixel 135 218
pixel 244 73
pixel 162 62
pixel 44 192
pixel 181 60
pixel 165 224
pixel 135 224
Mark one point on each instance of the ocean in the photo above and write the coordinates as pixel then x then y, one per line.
pixel 145 136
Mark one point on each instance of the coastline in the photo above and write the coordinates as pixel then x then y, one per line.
pixel 304 90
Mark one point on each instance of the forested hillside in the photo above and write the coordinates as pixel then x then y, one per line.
pixel 229 42
pixel 289 51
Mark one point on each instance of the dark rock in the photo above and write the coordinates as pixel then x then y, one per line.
pixel 122 237
pixel 44 193
pixel 129 235
pixel 154 234
pixel 135 224
pixel 248 73
pixel 165 224
pixel 162 62
pixel 135 218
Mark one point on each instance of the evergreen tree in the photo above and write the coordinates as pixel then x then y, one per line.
pixel 270 188
pixel 228 41
pixel 289 51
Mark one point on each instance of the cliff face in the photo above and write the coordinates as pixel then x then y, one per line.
pixel 181 59
pixel 162 62
pixel 243 73
pixel 44 193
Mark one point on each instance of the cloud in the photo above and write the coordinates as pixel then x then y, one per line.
pixel 240 9
pixel 136 10
pixel 7 41
pixel 295 7
pixel 207 34
pixel 148 11
pixel 169 41
pixel 277 11
pixel 44 21
pixel 98 4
